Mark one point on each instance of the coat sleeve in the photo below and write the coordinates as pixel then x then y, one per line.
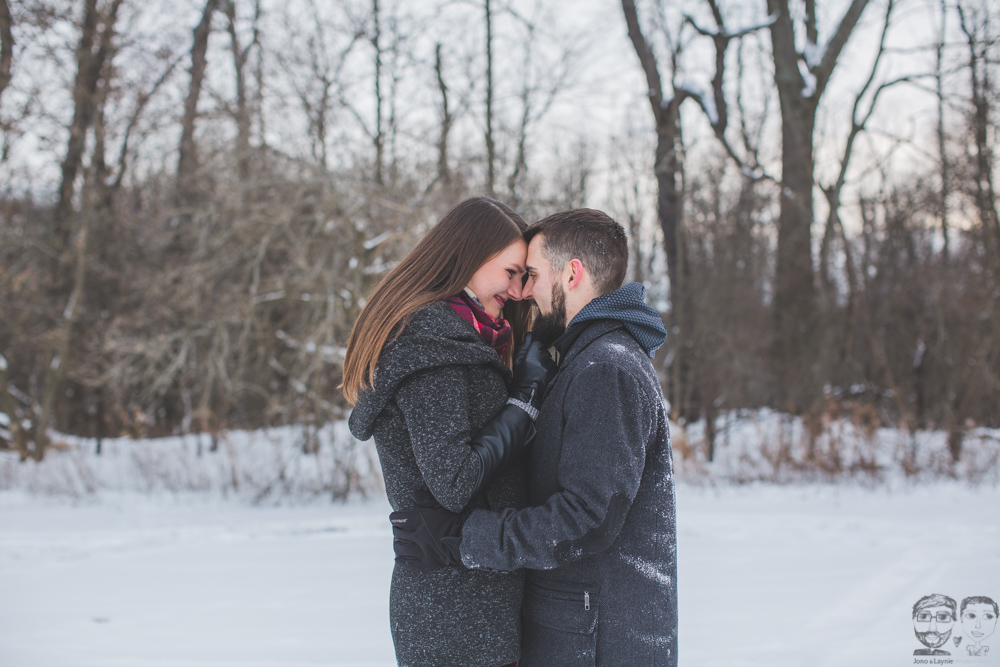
pixel 435 408
pixel 606 425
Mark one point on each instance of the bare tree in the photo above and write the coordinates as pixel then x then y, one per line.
pixel 490 145
pixel 976 25
pixel 859 121
pixel 6 45
pixel 542 79
pixel 942 153
pixel 378 134
pixel 801 76
pixel 90 63
pixel 444 171
pixel 315 72
pixel 716 107
pixel 242 112
pixel 187 161
pixel 688 386
pixel 94 52
pixel 665 104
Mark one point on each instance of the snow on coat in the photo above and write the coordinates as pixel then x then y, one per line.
pixel 435 387
pixel 599 536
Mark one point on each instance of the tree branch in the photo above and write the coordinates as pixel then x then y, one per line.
pixel 824 69
pixel 646 57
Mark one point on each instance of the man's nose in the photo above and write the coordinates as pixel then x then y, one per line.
pixel 526 292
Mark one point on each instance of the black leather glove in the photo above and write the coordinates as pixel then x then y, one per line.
pixel 428 536
pixel 501 441
pixel 533 370
pixel 505 437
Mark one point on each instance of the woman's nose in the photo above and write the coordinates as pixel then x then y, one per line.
pixel 515 289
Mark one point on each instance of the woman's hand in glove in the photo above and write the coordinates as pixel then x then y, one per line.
pixel 533 370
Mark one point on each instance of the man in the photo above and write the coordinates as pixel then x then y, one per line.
pixel 933 618
pixel 599 537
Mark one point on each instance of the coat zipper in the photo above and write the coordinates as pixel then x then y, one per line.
pixel 586 600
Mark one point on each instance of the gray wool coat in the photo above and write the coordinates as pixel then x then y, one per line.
pixel 599 536
pixel 435 387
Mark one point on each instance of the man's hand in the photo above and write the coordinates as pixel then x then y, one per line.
pixel 426 537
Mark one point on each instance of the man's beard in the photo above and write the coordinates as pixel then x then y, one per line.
pixel 548 328
pixel 933 639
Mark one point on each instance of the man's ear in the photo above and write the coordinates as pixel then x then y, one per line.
pixel 575 273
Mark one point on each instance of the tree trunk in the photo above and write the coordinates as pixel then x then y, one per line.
pixel 444 172
pixel 942 154
pixel 187 161
pixel 71 264
pixel 796 313
pixel 379 137
pixel 669 207
pixel 242 110
pixel 6 45
pixel 490 146
pixel 83 94
pixel 984 189
pixel 90 65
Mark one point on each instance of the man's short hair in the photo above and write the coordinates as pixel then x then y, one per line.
pixel 935 600
pixel 590 236
pixel 980 599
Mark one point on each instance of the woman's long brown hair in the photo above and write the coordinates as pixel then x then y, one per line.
pixel 440 266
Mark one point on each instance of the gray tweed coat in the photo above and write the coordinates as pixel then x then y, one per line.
pixel 435 387
pixel 600 536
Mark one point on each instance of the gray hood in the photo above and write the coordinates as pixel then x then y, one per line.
pixel 627 305
pixel 434 336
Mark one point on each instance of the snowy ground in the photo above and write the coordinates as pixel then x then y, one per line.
pixel 769 575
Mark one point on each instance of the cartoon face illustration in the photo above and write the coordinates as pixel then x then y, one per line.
pixel 979 618
pixel 933 620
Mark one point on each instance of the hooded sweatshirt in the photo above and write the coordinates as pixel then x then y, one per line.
pixel 627 306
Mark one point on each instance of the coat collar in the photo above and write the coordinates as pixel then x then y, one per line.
pixel 576 339
pixel 591 331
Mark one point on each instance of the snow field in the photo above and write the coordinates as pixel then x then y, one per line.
pixel 768 575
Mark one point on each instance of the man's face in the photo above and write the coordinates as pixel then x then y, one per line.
pixel 979 621
pixel 543 286
pixel 539 278
pixel 932 625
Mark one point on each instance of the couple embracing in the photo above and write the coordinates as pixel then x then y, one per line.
pixel 530 473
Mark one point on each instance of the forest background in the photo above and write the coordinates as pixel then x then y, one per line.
pixel 197 195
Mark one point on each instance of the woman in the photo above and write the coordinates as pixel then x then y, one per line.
pixel 427 370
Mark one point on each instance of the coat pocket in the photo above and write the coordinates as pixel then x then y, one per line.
pixel 560 627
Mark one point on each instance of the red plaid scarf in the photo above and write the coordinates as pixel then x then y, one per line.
pixel 495 333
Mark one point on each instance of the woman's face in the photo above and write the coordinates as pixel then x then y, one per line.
pixel 979 621
pixel 499 278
